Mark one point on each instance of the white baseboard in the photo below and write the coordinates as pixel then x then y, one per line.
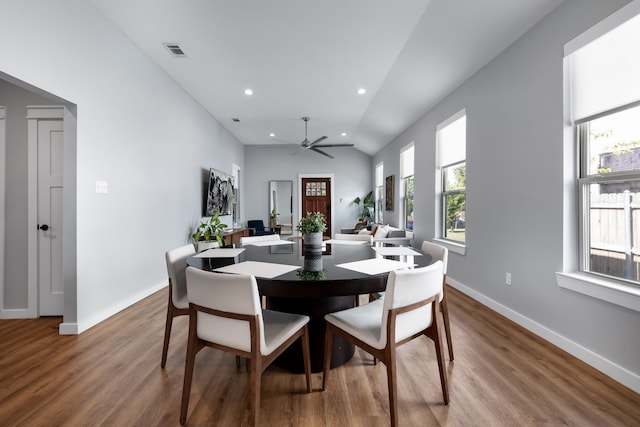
pixel 68 329
pixel 83 325
pixel 607 367
pixel 17 313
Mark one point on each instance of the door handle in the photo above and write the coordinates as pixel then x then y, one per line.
pixel 44 227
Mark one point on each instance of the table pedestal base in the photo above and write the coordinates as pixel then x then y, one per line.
pixel 315 308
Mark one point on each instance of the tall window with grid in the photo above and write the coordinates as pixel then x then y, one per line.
pixel 406 173
pixel 605 112
pixel 452 185
pixel 379 193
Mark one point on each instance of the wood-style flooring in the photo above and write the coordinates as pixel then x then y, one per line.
pixel 110 375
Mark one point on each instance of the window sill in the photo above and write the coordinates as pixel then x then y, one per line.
pixel 453 247
pixel 604 289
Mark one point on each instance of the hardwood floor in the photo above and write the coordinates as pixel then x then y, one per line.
pixel 111 376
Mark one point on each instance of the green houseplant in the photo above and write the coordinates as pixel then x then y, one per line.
pixel 365 207
pixel 312 223
pixel 311 275
pixel 209 229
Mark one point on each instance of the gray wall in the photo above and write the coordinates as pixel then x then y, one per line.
pixel 352 170
pixel 16 100
pixel 137 130
pixel 514 212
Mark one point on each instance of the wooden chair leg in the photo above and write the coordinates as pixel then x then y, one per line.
pixel 192 349
pixel 167 334
pixel 255 376
pixel 447 326
pixel 306 354
pixel 328 342
pixel 393 387
pixel 437 339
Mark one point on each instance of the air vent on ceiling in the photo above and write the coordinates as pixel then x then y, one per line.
pixel 175 50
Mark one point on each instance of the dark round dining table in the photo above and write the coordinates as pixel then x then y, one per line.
pixel 314 294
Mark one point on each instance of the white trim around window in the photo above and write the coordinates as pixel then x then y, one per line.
pixel 571 278
pixel 601 288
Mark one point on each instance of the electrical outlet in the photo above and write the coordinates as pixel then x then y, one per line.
pixel 508 279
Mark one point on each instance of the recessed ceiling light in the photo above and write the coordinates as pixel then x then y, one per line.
pixel 248 92
pixel 272 134
pixel 362 91
pixel 343 134
pixel 235 119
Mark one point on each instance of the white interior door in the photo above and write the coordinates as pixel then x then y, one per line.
pixel 3 189
pixel 50 170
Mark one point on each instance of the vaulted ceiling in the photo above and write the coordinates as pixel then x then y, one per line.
pixel 310 58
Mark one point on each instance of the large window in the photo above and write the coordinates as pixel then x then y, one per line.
pixel 610 193
pixel 452 185
pixel 406 173
pixel 379 193
pixel 605 110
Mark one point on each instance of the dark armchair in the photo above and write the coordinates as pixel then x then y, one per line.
pixel 256 228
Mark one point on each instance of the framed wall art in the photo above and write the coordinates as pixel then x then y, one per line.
pixel 388 192
pixel 220 194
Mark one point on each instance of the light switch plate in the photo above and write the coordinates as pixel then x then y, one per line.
pixel 102 187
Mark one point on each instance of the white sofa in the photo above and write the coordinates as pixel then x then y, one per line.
pixel 384 234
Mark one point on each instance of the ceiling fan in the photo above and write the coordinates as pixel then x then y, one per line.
pixel 314 146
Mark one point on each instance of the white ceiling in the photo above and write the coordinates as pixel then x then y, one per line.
pixel 309 57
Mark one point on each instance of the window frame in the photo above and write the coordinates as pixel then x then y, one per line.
pixel 584 181
pixel 440 224
pixel 570 277
pixel 403 185
pixel 406 199
pixel 443 198
pixel 379 194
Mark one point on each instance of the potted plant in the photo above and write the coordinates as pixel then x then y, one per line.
pixel 209 229
pixel 366 210
pixel 312 226
pixel 273 218
pixel 311 275
pixel 312 223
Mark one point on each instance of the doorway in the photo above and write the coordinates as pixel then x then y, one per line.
pixel 2 196
pixel 46 142
pixel 316 196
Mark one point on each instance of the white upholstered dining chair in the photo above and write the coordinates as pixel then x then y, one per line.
pixel 410 309
pixel 441 253
pixel 225 313
pixel 178 304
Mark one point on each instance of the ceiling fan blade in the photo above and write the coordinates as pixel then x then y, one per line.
pixel 321 152
pixel 334 145
pixel 322 138
pixel 296 152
